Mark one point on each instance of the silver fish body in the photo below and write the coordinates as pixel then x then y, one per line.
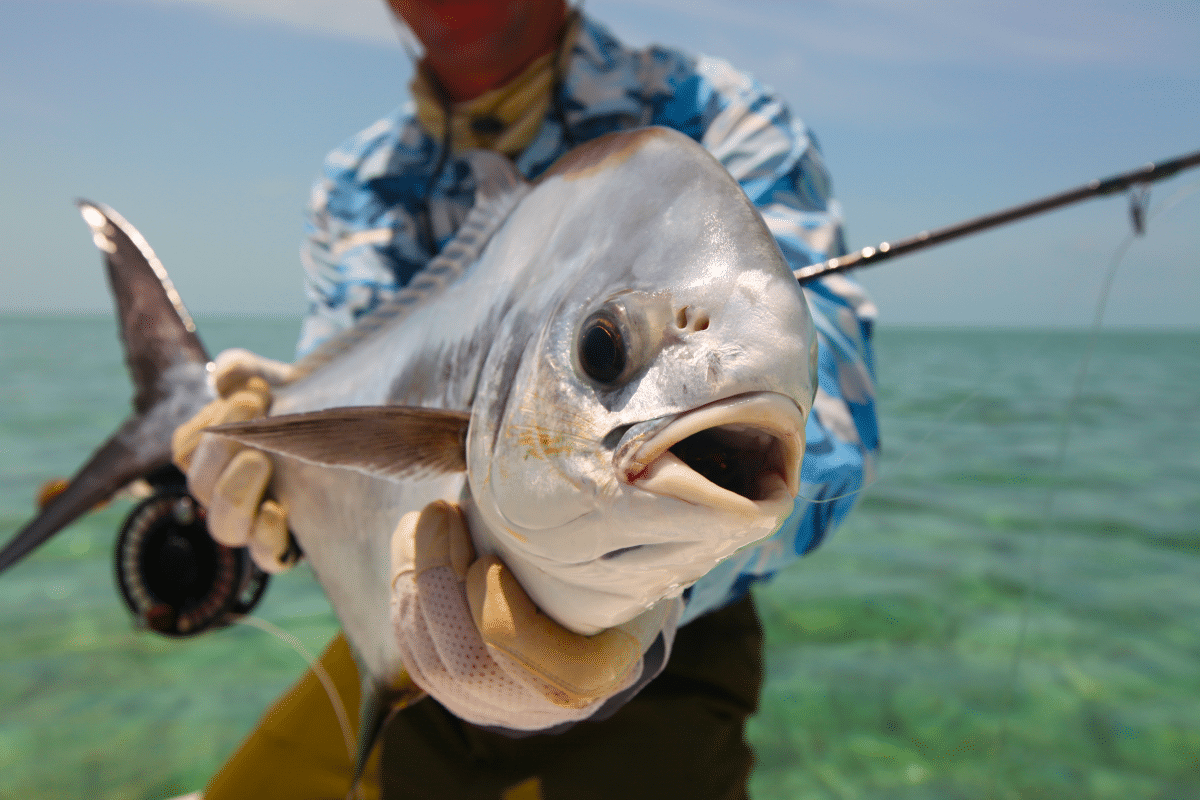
pixel 571 479
pixel 609 370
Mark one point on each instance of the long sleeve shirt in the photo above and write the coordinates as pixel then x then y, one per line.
pixel 390 198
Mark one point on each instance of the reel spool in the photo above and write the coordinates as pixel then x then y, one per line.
pixel 175 578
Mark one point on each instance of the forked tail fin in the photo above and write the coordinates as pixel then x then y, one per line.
pixel 167 363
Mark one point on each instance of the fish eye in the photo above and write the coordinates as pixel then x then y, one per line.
pixel 602 349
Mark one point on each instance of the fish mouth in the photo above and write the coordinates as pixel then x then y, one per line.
pixel 739 455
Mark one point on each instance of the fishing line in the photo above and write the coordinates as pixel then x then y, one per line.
pixel 1138 223
pixel 335 699
pixel 909 451
pixel 1137 182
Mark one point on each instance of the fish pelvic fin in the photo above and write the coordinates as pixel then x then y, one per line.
pixel 393 442
pixel 499 187
pixel 167 363
pixel 380 702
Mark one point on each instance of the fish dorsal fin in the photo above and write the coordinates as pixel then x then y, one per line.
pixel 392 442
pixel 156 329
pixel 499 187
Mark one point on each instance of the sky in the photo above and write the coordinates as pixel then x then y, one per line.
pixel 204 122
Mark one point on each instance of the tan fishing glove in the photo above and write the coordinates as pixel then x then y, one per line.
pixel 472 638
pixel 229 479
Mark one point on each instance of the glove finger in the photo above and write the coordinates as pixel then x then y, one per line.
pixel 209 461
pixel 443 647
pixel 434 537
pixel 237 495
pixel 425 666
pixel 439 642
pixel 453 641
pixel 241 406
pixel 452 653
pixel 209 456
pixel 403 554
pixel 186 437
pixel 235 367
pixel 536 684
pixel 255 386
pixel 246 404
pixel 583 667
pixel 270 543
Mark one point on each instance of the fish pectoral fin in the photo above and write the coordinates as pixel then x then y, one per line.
pixel 393 442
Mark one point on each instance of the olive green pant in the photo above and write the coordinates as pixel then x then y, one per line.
pixel 681 736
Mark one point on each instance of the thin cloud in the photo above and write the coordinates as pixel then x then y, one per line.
pixel 1027 33
pixel 367 21
pixel 1031 34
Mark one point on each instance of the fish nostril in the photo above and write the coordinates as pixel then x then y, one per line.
pixel 691 319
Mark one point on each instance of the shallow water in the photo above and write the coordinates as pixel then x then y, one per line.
pixel 893 661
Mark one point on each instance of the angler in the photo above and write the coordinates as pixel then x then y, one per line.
pixel 629 326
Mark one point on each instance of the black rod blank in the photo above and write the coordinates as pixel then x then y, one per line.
pixel 869 256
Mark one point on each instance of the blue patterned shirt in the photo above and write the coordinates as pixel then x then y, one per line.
pixel 383 209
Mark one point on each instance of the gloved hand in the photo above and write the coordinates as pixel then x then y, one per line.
pixel 473 639
pixel 229 479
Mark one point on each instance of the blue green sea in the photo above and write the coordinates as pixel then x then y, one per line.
pixel 992 622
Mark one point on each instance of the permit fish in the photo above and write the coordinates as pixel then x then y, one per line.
pixel 608 369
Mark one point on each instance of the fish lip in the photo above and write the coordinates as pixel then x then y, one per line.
pixel 769 424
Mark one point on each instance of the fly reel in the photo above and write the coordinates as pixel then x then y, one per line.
pixel 176 579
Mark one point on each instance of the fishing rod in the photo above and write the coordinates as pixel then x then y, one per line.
pixel 1143 176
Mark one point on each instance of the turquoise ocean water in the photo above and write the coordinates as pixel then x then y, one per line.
pixel 988 624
